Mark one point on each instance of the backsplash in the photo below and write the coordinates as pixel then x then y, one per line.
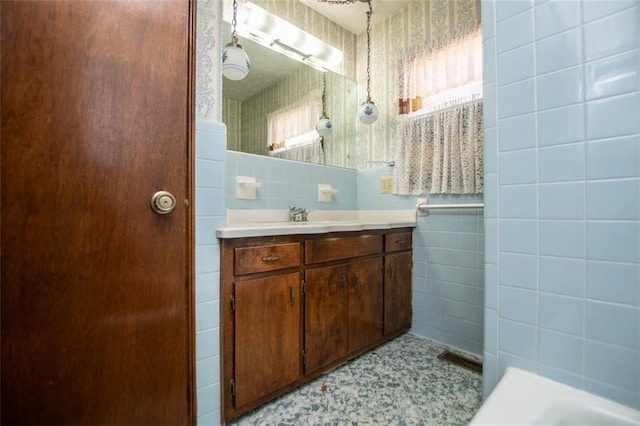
pixel 285 183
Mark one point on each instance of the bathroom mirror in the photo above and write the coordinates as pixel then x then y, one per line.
pixel 276 81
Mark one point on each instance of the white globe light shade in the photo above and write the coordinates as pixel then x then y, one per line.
pixel 368 113
pixel 235 62
pixel 323 126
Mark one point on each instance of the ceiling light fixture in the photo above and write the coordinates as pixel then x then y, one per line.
pixel 323 126
pixel 235 62
pixel 276 33
pixel 368 112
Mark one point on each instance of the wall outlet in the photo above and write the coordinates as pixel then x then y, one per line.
pixel 385 184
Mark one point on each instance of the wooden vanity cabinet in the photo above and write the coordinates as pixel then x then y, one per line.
pixel 293 306
pixel 343 301
pixel 397 283
pixel 261 305
pixel 343 311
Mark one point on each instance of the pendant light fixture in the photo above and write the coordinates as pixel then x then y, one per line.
pixel 368 112
pixel 235 62
pixel 323 126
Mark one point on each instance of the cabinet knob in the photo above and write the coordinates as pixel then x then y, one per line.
pixel 357 281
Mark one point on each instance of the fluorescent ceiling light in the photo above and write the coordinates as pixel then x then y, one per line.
pixel 280 35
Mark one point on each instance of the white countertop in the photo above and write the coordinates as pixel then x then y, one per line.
pixel 259 223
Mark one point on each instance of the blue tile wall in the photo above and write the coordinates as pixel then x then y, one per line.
pixel 211 143
pixel 562 193
pixel 285 183
pixel 448 273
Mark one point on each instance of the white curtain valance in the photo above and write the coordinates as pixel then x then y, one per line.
pixel 441 74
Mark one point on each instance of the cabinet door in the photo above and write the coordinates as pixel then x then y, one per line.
pixel 326 316
pixel 365 303
pixel 267 330
pixel 397 292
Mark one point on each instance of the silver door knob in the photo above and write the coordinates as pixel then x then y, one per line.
pixel 163 202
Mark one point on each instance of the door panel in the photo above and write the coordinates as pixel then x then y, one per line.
pixel 96 288
pixel 326 316
pixel 267 315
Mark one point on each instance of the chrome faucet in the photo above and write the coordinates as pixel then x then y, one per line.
pixel 298 214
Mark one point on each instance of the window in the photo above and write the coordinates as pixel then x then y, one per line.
pixel 295 125
pixel 435 78
pixel 439 149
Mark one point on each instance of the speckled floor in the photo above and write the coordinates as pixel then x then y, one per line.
pixel 400 383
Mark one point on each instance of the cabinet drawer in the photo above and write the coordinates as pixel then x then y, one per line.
pixel 249 260
pixel 328 249
pixel 398 241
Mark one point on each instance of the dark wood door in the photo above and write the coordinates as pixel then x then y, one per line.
pixel 326 316
pixel 365 303
pixel 268 341
pixel 397 293
pixel 97 309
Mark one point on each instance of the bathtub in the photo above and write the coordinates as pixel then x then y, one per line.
pixel 524 398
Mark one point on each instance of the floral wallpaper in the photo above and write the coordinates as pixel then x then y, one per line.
pixel 208 60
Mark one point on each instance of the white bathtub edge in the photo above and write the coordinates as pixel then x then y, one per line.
pixel 525 398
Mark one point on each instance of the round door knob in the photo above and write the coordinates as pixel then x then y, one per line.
pixel 163 202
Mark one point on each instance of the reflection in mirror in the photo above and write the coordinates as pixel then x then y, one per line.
pixel 276 85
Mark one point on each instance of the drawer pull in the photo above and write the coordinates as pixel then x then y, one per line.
pixel 293 296
pixel 344 283
pixel 399 241
pixel 357 282
pixel 270 258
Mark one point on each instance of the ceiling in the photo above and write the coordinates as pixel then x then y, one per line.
pixel 353 16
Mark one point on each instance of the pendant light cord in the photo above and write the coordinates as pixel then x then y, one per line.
pixel 234 33
pixel 369 13
pixel 324 90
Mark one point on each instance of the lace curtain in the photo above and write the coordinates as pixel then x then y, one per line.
pixel 441 153
pixel 440 133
